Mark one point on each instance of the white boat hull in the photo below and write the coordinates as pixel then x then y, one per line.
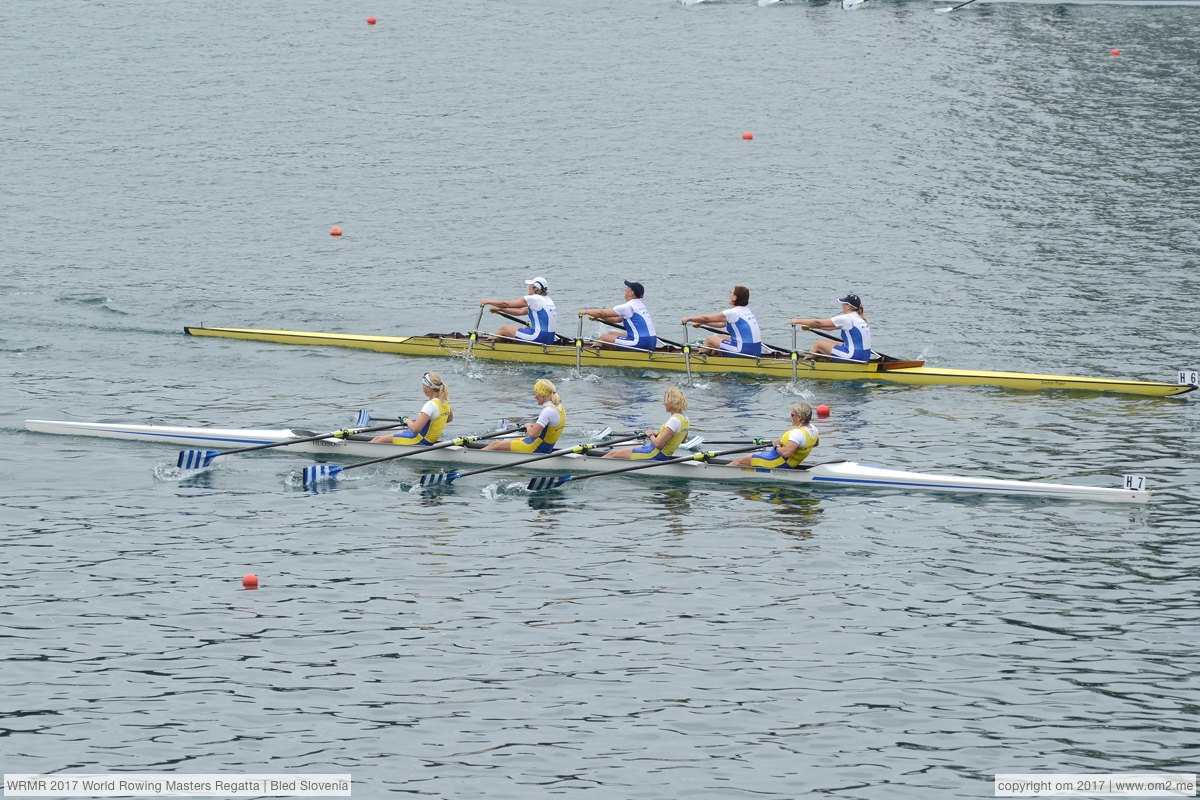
pixel 837 473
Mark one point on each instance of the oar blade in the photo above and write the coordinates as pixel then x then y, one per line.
pixel 318 473
pixel 364 418
pixel 544 482
pixel 196 459
pixel 439 478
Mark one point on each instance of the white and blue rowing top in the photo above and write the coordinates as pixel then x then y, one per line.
pixel 856 337
pixel 543 316
pixel 639 329
pixel 744 336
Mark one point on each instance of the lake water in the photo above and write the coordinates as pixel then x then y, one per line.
pixel 1002 192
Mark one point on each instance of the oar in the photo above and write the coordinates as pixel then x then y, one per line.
pixel 365 418
pixel 622 327
pixel 726 333
pixel 438 478
pixel 525 324
pixel 475 330
pixel 554 481
pixel 198 459
pixel 838 339
pixel 696 441
pixel 848 4
pixel 322 472
pixel 948 10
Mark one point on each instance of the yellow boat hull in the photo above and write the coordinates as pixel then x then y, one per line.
pixel 674 360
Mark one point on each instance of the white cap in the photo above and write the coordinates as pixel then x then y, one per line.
pixel 539 282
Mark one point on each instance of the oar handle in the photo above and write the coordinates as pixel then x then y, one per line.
pixel 695 457
pixel 579 448
pixel 330 435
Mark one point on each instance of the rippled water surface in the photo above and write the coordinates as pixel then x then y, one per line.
pixel 1002 191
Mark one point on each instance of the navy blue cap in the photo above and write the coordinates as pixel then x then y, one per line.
pixel 638 289
pixel 851 300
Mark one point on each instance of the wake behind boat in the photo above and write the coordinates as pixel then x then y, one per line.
pixel 844 474
pixel 776 365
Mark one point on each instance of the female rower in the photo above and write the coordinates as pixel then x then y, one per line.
pixel 745 339
pixel 541 434
pixel 856 334
pixel 668 437
pixel 633 314
pixel 788 450
pixel 427 427
pixel 540 308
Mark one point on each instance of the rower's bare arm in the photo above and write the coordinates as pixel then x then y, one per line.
pixel 517 306
pixel 660 440
pixel 421 421
pixel 534 430
pixel 705 319
pixel 818 324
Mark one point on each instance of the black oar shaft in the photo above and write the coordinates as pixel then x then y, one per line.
pixel 579 448
pixel 838 339
pixel 696 457
pixel 305 439
pixel 417 449
pixel 622 327
pixel 726 332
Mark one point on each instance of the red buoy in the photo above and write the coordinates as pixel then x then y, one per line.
pixel 250 581
pixel 370 20
pixel 822 410
pixel 747 135
pixel 335 231
pixel 1114 52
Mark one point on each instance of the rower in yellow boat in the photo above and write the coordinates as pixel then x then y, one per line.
pixel 633 314
pixel 743 338
pixel 856 333
pixel 667 438
pixel 542 433
pixel 427 426
pixel 540 308
pixel 788 450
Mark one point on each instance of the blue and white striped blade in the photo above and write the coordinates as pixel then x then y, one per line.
pixel 604 433
pixel 364 419
pixel 547 482
pixel 438 478
pixel 693 443
pixel 320 472
pixel 196 459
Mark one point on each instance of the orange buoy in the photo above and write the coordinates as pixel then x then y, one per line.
pixel 747 135
pixel 822 410
pixel 1114 52
pixel 250 581
pixel 370 20
pixel 335 231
